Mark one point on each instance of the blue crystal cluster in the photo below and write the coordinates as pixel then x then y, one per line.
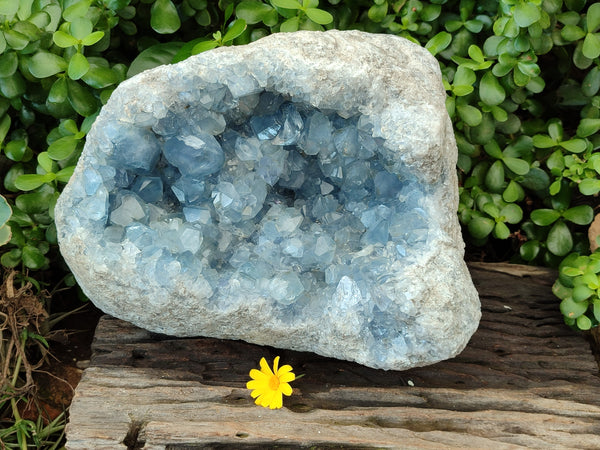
pixel 259 195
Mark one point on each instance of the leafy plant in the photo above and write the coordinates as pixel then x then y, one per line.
pixel 578 286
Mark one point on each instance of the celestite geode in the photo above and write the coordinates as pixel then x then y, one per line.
pixel 299 191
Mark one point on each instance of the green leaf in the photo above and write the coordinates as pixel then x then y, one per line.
pixel 100 77
pixel 252 11
pixel 92 38
pixel 5 234
pixel 77 10
pixel 491 91
pixel 513 192
pixel 470 114
pixel 45 64
pixel 483 132
pixel 512 213
pixel 501 231
pixel 596 309
pixel 81 99
pixel 589 186
pixel 587 127
pixel 582 292
pixel 453 25
pixel 78 66
pixel 581 215
pixel 15 150
pixel 574 145
pixel 555 187
pixel 560 241
pixel 13 86
pixel 58 91
pixel 64 175
pixel 40 19
pixel 529 250
pixel 556 161
pixel 319 16
pixel 16 40
pixel 289 25
pixel 32 257
pixel 526 13
pixel 4 127
pixel 62 148
pixel 464 76
pixel 9 7
pixel 517 165
pixel 45 162
pixel 544 217
pixel 9 62
pixel 491 210
pixel 462 90
pixel 68 126
pixel 584 323
pixel 228 12
pixel 572 33
pixel 63 39
pixel 5 211
pixel 164 18
pixel 593 17
pixel 439 42
pixel 33 203
pixel 81 27
pixel 204 46
pixel 154 56
pixel 591 46
pixel 286 4
pixel 236 28
pixel 476 54
pixel 591 83
pixel 11 258
pixel 493 149
pixel 377 13
pixel 481 227
pixel 494 179
pixel 543 141
pixel 28 182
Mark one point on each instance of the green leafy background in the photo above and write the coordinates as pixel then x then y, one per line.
pixel 522 78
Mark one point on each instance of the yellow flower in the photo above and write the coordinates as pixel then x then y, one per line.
pixel 268 385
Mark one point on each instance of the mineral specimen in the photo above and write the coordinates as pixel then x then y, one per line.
pixel 299 192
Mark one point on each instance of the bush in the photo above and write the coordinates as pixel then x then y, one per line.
pixel 522 81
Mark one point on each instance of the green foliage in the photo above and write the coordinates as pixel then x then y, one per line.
pixel 578 287
pixel 522 78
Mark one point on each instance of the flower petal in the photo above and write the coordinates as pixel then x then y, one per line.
pixel 284 369
pixel 257 384
pixel 285 389
pixel 277 401
pixel 258 375
pixel 287 377
pixel 256 393
pixel 275 364
pixel 266 399
pixel 264 367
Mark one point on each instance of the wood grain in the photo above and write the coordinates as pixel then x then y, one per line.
pixel 524 381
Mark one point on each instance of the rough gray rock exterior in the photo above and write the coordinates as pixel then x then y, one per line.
pixel 409 310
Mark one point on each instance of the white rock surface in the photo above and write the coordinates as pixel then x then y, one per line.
pixel 400 305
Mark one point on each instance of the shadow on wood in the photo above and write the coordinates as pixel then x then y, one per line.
pixel 524 381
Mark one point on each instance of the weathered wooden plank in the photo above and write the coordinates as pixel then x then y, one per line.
pixel 524 381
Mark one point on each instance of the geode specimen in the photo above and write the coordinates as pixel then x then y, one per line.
pixel 299 192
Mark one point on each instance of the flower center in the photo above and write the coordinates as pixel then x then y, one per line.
pixel 274 383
